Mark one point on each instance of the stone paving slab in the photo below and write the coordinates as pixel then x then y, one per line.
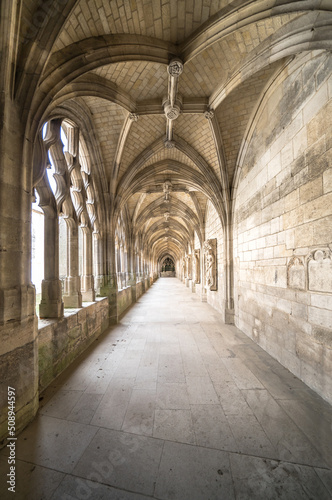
pixel 171 410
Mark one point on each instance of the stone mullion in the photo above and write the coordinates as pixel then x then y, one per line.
pixel 72 296
pixel 88 292
pixel 110 285
pixel 51 305
pixel 229 278
pixel 98 261
pixel 132 270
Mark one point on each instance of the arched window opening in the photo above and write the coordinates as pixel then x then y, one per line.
pixel 37 248
pixel 80 252
pixel 70 219
pixel 62 251
pixel 64 139
pixel 50 173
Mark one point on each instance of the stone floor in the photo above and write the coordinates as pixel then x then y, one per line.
pixel 172 404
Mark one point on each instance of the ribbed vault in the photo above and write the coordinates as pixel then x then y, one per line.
pixel 106 64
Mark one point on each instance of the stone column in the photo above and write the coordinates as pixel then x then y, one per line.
pixel 51 305
pixel 72 296
pixel 229 279
pixel 187 271
pixel 98 261
pixel 110 285
pixel 203 278
pixel 87 280
pixel 18 320
pixel 132 271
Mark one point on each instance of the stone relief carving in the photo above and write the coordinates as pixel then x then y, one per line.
pixel 133 117
pixel 209 114
pixel 175 67
pixel 313 272
pixel 196 268
pixel 167 188
pixel 296 274
pixel 186 266
pixel 320 271
pixel 169 144
pixel 172 112
pixel 189 267
pixel 210 254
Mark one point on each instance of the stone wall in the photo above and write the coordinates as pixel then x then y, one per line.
pixel 124 299
pixel 139 289
pixel 283 224
pixel 61 341
pixel 167 274
pixel 214 229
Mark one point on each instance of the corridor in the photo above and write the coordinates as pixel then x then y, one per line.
pixel 172 404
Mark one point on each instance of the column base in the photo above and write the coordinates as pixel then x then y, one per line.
pixel 50 309
pixel 87 288
pixel 229 316
pixel 73 301
pixel 110 290
pixel 89 296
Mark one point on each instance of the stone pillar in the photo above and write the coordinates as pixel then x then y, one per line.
pixel 187 271
pixel 87 280
pixel 110 285
pixel 229 277
pixel 72 296
pixel 202 288
pixel 110 290
pixel 132 272
pixel 51 305
pixel 18 320
pixel 98 261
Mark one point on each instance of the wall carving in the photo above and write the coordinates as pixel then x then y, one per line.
pixel 296 274
pixel 313 272
pixel 210 264
pixel 186 266
pixel 196 267
pixel 189 267
pixel 320 271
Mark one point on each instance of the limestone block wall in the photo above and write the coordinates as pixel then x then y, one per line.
pixel 283 224
pixel 124 299
pixel 213 229
pixel 61 341
pixel 139 289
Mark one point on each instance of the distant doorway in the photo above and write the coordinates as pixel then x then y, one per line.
pixel 167 268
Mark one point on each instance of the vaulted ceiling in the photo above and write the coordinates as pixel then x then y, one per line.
pixel 105 64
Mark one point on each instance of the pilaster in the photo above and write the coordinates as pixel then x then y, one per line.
pixel 51 305
pixel 110 290
pixel 132 283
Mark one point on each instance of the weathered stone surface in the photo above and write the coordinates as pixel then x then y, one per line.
pixel 210 262
pixel 296 277
pixel 302 188
pixel 243 159
pixel 320 271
